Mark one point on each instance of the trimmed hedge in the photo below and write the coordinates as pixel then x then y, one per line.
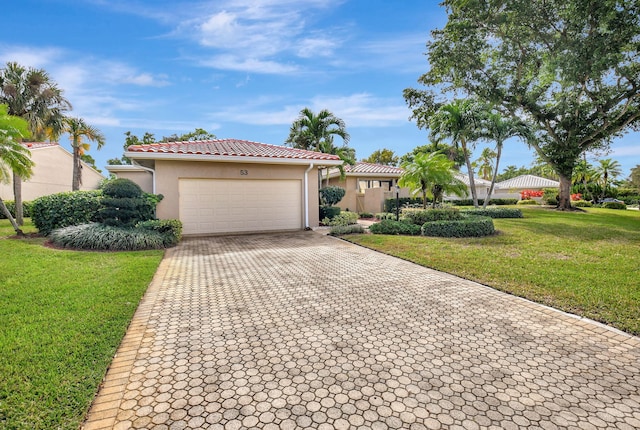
pixel 388 226
pixel 55 211
pixel 99 237
pixel 469 202
pixel 343 218
pixel 385 215
pixel 331 196
pixel 329 212
pixel 171 229
pixel 346 229
pixel 419 217
pixel 365 215
pixel 124 204
pixel 529 202
pixel 11 205
pixel 495 212
pixel 471 226
pixel 582 204
pixel 614 205
pixel 390 204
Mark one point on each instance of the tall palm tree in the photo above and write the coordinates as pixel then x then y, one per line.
pixel 499 129
pixel 309 131
pixel 77 129
pixel 431 174
pixel 459 121
pixel 485 163
pixel 14 157
pixel 583 174
pixel 608 169
pixel 345 153
pixel 33 96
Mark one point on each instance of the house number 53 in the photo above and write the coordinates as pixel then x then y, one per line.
pixel 244 172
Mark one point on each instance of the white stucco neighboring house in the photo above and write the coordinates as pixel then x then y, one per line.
pixel 511 188
pixel 52 173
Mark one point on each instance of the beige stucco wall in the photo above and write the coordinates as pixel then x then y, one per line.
pixel 143 178
pixel 52 173
pixel 372 200
pixel 168 174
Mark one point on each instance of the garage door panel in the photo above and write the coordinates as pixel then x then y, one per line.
pixel 209 206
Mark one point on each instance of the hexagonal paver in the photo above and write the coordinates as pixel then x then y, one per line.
pixel 301 330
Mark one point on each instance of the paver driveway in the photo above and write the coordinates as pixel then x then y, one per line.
pixel 305 331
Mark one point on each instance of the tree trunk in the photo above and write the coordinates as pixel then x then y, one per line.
pixel 564 194
pixel 17 197
pixel 472 182
pixel 495 175
pixel 75 184
pixel 13 222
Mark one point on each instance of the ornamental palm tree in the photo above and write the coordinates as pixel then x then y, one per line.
pixel 33 96
pixel 345 153
pixel 77 129
pixel 499 129
pixel 14 157
pixel 310 131
pixel 431 174
pixel 459 121
pixel 608 169
pixel 583 174
pixel 485 163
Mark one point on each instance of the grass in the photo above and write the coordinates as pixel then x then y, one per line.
pixel 584 263
pixel 62 316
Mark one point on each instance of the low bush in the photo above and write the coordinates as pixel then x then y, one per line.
pixel 11 205
pixel 171 229
pixel 470 226
pixel 582 204
pixel 343 218
pixel 394 227
pixel 338 230
pixel 419 217
pixel 329 212
pixel 469 202
pixel 365 215
pixel 99 237
pixel 550 196
pixel 65 209
pixel 527 203
pixel 614 205
pixel 495 212
pixel 390 204
pixel 385 215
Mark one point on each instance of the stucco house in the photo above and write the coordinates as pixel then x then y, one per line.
pixel 52 173
pixel 227 186
pixel 511 188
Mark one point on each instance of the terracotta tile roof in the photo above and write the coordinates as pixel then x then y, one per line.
pixel 362 167
pixel 231 148
pixel 38 145
pixel 527 181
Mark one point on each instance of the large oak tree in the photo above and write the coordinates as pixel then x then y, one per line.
pixel 569 68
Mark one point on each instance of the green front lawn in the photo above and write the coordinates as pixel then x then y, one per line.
pixel 62 316
pixel 584 263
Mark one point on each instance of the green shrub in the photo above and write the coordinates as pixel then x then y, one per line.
pixel 124 204
pixel 343 218
pixel 471 226
pixel 419 217
pixel 469 202
pixel 388 226
pixel 65 209
pixel 550 196
pixel 170 229
pixel 495 212
pixel 390 204
pixel 331 196
pixel 338 230
pixel 385 215
pixel 99 237
pixel 582 204
pixel 329 212
pixel 527 203
pixel 502 202
pixel 11 205
pixel 365 215
pixel 614 205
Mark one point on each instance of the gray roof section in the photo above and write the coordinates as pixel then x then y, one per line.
pixel 527 181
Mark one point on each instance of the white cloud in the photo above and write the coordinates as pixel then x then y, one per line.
pixel 28 56
pixel 626 151
pixel 253 65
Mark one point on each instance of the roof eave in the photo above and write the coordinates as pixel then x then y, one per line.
pixel 229 158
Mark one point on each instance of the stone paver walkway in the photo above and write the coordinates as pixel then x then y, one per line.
pixel 302 330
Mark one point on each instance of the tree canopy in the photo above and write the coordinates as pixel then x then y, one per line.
pixel 570 69
pixel 383 156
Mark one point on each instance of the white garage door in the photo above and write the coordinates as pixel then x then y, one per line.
pixel 227 206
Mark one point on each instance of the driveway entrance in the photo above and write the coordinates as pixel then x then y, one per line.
pixel 301 330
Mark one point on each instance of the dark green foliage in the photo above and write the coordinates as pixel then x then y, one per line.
pixel 388 226
pixel 614 205
pixel 471 226
pixel 99 237
pixel 495 212
pixel 550 196
pixel 11 205
pixel 346 229
pixel 390 204
pixel 171 229
pixel 582 204
pixel 419 217
pixel 65 209
pixel 365 215
pixel 124 204
pixel 329 211
pixel 529 202
pixel 469 202
pixel 331 196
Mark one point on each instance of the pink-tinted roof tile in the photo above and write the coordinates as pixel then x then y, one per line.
pixel 231 148
pixel 37 145
pixel 379 169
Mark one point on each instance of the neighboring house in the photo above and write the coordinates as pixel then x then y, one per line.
pixel 52 173
pixel 230 186
pixel 367 186
pixel 482 188
pixel 511 188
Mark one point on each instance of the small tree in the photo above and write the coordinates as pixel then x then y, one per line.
pixel 331 196
pixel 123 204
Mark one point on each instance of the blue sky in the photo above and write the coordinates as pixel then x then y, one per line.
pixel 238 68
